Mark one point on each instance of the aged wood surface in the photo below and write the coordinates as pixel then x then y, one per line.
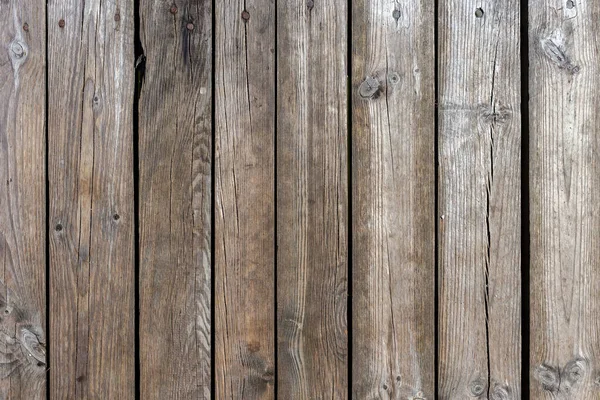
pixel 393 185
pixel 91 215
pixel 479 200
pixel 244 199
pixel 312 199
pixel 22 199
pixel 175 200
pixel 564 88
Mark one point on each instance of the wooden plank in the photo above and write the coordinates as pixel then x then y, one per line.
pixel 394 199
pixel 175 140
pixel 564 86
pixel 22 200
pixel 244 197
pixel 90 171
pixel 312 199
pixel 479 200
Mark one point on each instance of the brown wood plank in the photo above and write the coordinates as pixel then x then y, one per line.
pixel 564 86
pixel 244 199
pixel 175 140
pixel 312 199
pixel 22 200
pixel 90 171
pixel 479 200
pixel 394 199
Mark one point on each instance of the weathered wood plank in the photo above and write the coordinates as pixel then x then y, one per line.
pixel 564 126
pixel 244 197
pixel 479 200
pixel 312 199
pixel 175 140
pixel 394 198
pixel 22 200
pixel 91 216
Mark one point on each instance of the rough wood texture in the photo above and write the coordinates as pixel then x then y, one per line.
pixel 564 123
pixel 244 190
pixel 175 200
pixel 91 216
pixel 22 199
pixel 479 200
pixel 394 191
pixel 312 199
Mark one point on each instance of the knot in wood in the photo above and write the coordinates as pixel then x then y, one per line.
pixel 369 88
pixel 17 50
pixel 32 346
pixel 548 376
pixel 393 78
pixel 574 372
pixel 500 393
pixel 477 388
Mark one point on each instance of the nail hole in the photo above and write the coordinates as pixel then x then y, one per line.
pixel 385 387
pixel 116 217
pixel 40 364
pixel 58 228
pixel 396 14
pixel 479 13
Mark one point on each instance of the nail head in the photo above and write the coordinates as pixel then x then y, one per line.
pixel 61 23
pixel 173 9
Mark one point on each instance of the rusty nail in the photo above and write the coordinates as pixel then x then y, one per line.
pixel 173 9
pixel 117 17
pixel 245 15
pixel 61 23
pixel 26 28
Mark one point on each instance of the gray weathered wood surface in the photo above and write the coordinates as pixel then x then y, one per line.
pixel 564 89
pixel 175 159
pixel 393 181
pixel 22 199
pixel 479 195
pixel 91 210
pixel 312 199
pixel 244 199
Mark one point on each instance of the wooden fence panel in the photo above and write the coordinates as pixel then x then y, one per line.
pixel 394 196
pixel 312 199
pixel 91 215
pixel 479 200
pixel 244 199
pixel 22 199
pixel 564 125
pixel 175 140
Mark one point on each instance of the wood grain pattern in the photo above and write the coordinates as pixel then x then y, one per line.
pixel 175 140
pixel 479 200
pixel 394 191
pixel 245 208
pixel 91 216
pixel 22 200
pixel 564 87
pixel 312 199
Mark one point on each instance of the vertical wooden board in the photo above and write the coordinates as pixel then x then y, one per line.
pixel 22 200
pixel 394 197
pixel 312 199
pixel 244 197
pixel 175 140
pixel 564 88
pixel 479 200
pixel 91 216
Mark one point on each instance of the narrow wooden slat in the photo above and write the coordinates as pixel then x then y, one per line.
pixel 393 208
pixel 22 200
pixel 91 216
pixel 564 86
pixel 312 199
pixel 244 199
pixel 479 200
pixel 175 140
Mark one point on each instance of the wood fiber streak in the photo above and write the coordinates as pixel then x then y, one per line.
pixel 22 200
pixel 312 199
pixel 244 199
pixel 393 207
pixel 564 125
pixel 479 200
pixel 175 139
pixel 91 216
